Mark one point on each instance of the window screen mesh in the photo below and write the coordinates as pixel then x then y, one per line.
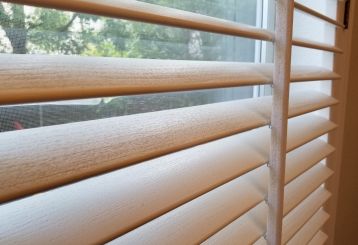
pixel 29 30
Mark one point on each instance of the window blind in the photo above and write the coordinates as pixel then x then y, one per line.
pixel 212 174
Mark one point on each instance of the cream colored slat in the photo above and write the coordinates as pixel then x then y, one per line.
pixel 305 157
pixel 319 239
pixel 40 158
pixel 308 231
pixel 315 45
pixel 194 221
pixel 302 213
pixel 232 198
pixel 151 13
pixel 191 223
pixel 310 180
pixel 244 230
pixel 129 188
pixel 291 222
pixel 34 78
pixel 261 241
pixel 312 12
pixel 311 73
pixel 298 161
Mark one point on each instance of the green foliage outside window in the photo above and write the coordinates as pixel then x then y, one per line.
pixel 27 30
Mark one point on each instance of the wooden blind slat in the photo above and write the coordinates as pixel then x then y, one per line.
pixel 251 226
pixel 137 194
pixel 36 78
pixel 303 212
pixel 146 12
pixel 320 173
pixel 319 239
pixel 301 42
pixel 41 158
pixel 312 12
pixel 305 157
pixel 308 231
pixel 152 13
pixel 201 218
pixel 295 193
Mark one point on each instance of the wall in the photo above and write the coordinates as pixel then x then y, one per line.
pixel 347 212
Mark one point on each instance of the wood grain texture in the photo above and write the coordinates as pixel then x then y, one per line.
pixel 314 13
pixel 319 239
pixel 197 220
pixel 35 78
pixel 123 199
pixel 298 161
pixel 279 118
pixel 298 217
pixel 309 230
pixel 152 13
pixel 315 45
pixel 41 158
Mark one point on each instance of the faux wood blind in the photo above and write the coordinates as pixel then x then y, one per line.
pixel 211 174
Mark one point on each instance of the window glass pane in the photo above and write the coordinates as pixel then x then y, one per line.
pixel 30 30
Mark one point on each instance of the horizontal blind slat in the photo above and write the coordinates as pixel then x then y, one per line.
pixel 250 227
pixel 310 180
pixel 295 192
pixel 196 221
pixel 305 157
pixel 36 78
pixel 151 13
pixel 308 231
pixel 319 239
pixel 146 12
pixel 297 218
pixel 40 158
pixel 314 13
pixel 137 193
pixel 301 42
pixel 246 229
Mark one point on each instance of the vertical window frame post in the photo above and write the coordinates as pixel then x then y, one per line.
pixel 279 118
